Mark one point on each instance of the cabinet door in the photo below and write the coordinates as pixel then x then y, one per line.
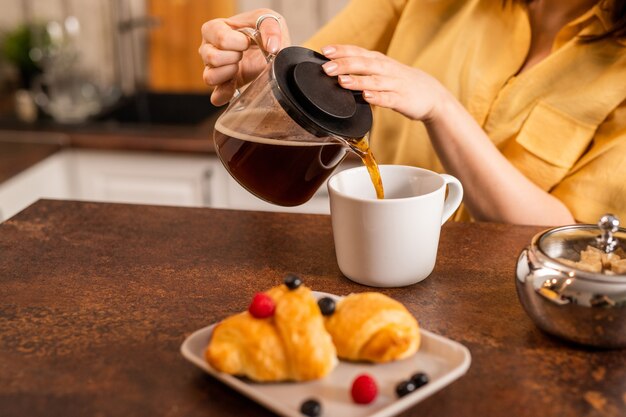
pixel 46 179
pixel 173 50
pixel 144 178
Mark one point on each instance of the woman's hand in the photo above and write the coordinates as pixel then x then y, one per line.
pixel 384 81
pixel 229 58
pixel 495 190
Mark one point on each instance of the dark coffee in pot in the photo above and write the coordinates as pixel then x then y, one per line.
pixel 279 171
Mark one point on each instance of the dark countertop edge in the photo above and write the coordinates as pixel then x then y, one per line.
pixel 23 148
pixel 170 138
pixel 143 142
pixel 16 157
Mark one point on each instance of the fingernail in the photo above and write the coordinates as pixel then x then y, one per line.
pixel 367 94
pixel 328 50
pixel 345 79
pixel 272 45
pixel 329 67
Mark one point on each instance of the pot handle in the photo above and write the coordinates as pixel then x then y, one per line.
pixel 255 37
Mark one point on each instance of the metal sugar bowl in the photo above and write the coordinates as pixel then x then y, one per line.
pixel 571 281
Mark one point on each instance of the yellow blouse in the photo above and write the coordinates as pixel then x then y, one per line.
pixel 562 122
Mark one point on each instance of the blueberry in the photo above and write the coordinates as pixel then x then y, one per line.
pixel 292 281
pixel 419 379
pixel 311 408
pixel 405 387
pixel 327 306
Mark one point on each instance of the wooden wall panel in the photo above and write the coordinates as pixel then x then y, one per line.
pixel 174 63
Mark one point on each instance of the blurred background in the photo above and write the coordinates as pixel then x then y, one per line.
pixel 102 49
pixel 103 100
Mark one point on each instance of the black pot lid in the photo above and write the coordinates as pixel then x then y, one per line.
pixel 315 100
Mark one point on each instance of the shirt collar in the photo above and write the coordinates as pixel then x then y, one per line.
pixel 585 22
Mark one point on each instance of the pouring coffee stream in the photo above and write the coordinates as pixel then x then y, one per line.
pixel 285 134
pixel 362 148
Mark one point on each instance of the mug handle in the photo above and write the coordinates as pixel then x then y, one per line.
pixel 454 198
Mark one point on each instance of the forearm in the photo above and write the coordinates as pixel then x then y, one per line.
pixel 494 189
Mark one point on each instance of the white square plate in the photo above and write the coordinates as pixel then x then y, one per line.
pixel 442 359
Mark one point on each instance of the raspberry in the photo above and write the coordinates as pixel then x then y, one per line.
pixel 364 389
pixel 262 306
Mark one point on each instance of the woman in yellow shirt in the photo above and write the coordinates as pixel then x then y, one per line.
pixel 525 102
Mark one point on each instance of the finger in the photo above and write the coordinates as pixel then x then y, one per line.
pixel 221 35
pixel 271 35
pixel 369 82
pixel 340 51
pixel 271 30
pixel 388 99
pixel 219 75
pixel 214 57
pixel 223 93
pixel 357 65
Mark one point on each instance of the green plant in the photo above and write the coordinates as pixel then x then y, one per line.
pixel 16 48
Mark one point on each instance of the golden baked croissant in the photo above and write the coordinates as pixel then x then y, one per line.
pixel 292 344
pixel 373 327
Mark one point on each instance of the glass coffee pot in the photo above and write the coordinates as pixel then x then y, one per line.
pixel 284 135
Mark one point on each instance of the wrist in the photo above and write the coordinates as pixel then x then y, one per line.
pixel 443 101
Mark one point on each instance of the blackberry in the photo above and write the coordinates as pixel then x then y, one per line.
pixel 311 408
pixel 405 387
pixel 326 305
pixel 292 281
pixel 419 379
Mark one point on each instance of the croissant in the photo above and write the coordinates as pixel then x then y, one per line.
pixel 373 327
pixel 293 344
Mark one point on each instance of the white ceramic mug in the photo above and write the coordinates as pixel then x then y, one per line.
pixel 391 242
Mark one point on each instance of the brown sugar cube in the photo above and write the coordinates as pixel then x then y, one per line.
pixel 608 258
pixel 618 266
pixel 590 260
pixel 589 267
pixel 590 253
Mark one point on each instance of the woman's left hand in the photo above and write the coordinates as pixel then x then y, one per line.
pixel 384 81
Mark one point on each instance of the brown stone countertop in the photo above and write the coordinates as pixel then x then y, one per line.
pixel 18 155
pixel 96 299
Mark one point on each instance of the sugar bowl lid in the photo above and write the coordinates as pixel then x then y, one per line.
pixel 598 250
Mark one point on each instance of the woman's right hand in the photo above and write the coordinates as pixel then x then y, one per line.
pixel 230 59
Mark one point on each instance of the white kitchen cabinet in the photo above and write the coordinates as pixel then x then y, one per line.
pixel 114 176
pixel 141 178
